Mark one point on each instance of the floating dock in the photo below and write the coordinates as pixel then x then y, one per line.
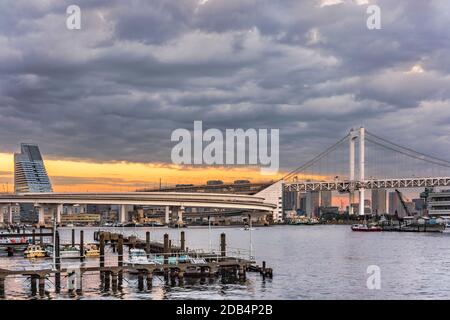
pixel 195 263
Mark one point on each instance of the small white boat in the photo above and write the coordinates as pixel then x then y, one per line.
pixel 366 228
pixel 197 261
pixel 70 252
pixel 138 256
pixel 66 252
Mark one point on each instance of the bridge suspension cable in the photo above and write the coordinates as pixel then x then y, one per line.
pixel 384 159
pixel 316 159
pixel 406 151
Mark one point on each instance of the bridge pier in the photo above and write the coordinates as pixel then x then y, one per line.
pixel 59 211
pixel 167 215
pixel 123 213
pixel 362 155
pixel 351 198
pixel 10 214
pixel 41 219
pixel 180 215
pixel 2 214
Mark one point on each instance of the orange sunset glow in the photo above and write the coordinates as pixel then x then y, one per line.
pixel 82 176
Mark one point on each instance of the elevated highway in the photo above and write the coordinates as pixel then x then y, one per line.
pixel 170 200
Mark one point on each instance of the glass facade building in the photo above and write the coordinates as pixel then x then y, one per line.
pixel 29 170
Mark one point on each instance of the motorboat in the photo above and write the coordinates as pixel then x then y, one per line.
pixel 92 251
pixel 69 252
pixel 65 252
pixel 35 251
pixel 366 228
pixel 447 225
pixel 138 256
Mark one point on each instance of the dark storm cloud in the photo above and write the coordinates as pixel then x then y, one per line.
pixel 137 70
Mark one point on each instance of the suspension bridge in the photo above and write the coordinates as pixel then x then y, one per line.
pixel 378 164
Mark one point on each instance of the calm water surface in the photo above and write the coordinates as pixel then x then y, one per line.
pixel 309 262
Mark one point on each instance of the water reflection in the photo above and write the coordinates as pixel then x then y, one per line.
pixel 322 262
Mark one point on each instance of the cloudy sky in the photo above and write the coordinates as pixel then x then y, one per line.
pixel 102 101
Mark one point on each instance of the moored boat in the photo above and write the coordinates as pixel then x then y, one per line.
pixel 34 251
pixel 70 252
pixel 447 226
pixel 366 228
pixel 92 251
pixel 138 256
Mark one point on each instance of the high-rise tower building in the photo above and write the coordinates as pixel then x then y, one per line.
pixel 379 201
pixel 29 170
pixel 326 198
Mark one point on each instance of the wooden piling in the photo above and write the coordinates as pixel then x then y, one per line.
pixel 166 248
pixel 149 279
pixel 56 252
pixel 147 243
pixel 33 237
pixel 41 284
pixel 102 258
pixel 79 283
pixel 181 275
pixel 73 237
pixel 33 284
pixel 41 238
pixel 182 241
pixel 241 272
pixel 81 245
pixel 223 245
pixel 120 259
pixel 107 281
pixel 114 281
pixel 141 280
pixel 2 286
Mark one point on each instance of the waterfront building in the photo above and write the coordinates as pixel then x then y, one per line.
pixel 74 209
pixel 15 213
pixel 379 201
pixel 289 200
pixel 97 208
pixel 419 206
pixel 29 170
pixel 355 206
pixel 312 204
pixel 328 211
pixel 326 198
pixel 83 218
pixel 301 202
pixel 438 203
pixel 30 176
pixel 274 194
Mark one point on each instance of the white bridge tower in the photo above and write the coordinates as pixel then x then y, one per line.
pixel 353 136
